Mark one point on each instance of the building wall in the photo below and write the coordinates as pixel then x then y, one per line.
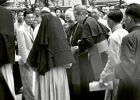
pixel 106 0
pixel 67 2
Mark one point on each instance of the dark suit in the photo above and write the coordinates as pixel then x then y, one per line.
pixel 128 71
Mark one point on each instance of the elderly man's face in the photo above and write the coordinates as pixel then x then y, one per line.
pixel 67 17
pixel 37 11
pixel 78 17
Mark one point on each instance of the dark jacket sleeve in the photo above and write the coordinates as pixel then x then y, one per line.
pixel 126 69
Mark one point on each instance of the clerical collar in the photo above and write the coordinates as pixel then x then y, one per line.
pixel 118 26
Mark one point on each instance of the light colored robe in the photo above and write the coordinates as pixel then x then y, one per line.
pixel 8 76
pixel 53 85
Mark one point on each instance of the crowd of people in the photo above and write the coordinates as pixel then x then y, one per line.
pixel 55 55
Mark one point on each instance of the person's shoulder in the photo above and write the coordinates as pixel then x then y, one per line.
pixel 91 19
pixel 118 35
pixel 2 8
pixel 5 11
pixel 21 29
pixel 121 32
pixel 136 32
pixel 130 37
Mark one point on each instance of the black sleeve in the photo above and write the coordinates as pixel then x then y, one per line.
pixel 85 43
pixel 87 40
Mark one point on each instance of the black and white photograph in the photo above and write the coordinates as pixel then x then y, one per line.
pixel 69 49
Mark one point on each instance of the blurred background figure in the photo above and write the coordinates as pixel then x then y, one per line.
pixel 37 14
pixel 35 23
pixel 19 20
pixel 43 12
pixel 69 17
pixel 58 12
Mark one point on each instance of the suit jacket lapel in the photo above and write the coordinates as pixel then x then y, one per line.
pixel 29 33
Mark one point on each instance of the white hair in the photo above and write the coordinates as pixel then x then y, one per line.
pixel 69 13
pixel 45 9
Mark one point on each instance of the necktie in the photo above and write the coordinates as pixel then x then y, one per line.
pixel 31 33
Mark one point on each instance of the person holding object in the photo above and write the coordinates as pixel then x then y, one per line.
pixel 113 19
pixel 92 47
pixel 128 71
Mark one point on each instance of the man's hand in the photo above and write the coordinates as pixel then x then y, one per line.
pixel 101 83
pixel 107 85
pixel 68 66
pixel 74 49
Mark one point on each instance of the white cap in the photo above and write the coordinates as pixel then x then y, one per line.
pixel 89 9
pixel 45 9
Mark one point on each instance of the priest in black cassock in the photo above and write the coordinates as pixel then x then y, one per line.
pixel 7 54
pixel 92 52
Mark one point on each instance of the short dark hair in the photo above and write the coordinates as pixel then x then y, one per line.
pixel 58 8
pixel 133 10
pixel 27 11
pixel 20 11
pixel 116 15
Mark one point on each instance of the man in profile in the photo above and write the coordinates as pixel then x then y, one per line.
pixel 113 19
pixel 128 71
pixel 92 47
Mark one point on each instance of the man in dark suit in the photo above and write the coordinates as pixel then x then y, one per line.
pixel 128 71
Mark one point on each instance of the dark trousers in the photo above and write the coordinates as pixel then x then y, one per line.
pixel 17 77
